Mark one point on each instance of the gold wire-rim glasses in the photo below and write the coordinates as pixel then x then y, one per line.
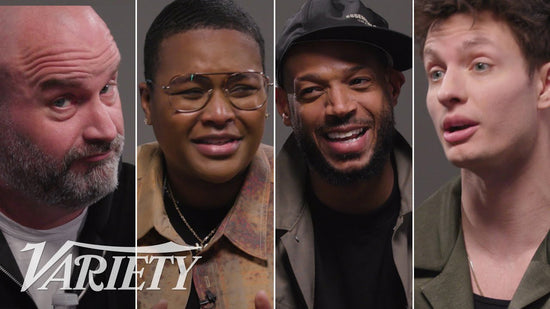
pixel 206 93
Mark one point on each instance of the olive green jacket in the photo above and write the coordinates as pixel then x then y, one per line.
pixel 441 273
pixel 295 258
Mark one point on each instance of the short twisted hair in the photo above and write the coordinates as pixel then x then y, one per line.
pixel 529 21
pixel 183 15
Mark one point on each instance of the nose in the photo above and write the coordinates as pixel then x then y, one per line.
pixel 101 120
pixel 218 111
pixel 451 90
pixel 339 102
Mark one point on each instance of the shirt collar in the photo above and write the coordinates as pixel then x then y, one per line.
pixel 247 224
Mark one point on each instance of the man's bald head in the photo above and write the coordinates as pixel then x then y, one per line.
pixel 23 27
pixel 60 105
pixel 33 35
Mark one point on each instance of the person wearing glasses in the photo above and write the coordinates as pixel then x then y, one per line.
pixel 208 180
pixel 344 176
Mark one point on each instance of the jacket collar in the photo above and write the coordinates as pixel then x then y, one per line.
pixel 245 224
pixel 452 287
pixel 535 283
pixel 443 252
pixel 438 215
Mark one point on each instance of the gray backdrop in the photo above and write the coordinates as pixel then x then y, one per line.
pixel 431 168
pixel 119 17
pixel 398 13
pixel 261 11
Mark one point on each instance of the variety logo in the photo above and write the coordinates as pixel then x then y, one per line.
pixel 63 271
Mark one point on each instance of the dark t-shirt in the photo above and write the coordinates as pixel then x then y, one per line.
pixel 481 302
pixel 354 265
pixel 202 222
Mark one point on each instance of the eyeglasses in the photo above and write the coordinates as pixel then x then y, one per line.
pixel 191 92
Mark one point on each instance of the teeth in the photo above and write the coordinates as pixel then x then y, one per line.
pixel 344 135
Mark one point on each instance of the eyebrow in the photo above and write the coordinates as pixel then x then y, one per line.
pixel 59 83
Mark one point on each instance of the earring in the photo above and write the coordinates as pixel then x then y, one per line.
pixel 147 121
pixel 285 116
pixel 266 115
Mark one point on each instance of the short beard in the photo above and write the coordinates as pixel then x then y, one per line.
pixel 382 149
pixel 25 168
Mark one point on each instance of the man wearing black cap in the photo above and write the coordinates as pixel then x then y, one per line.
pixel 344 211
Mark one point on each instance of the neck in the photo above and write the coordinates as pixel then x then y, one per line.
pixel 33 214
pixel 508 210
pixel 356 198
pixel 205 195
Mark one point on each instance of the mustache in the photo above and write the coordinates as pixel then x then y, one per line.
pixel 90 149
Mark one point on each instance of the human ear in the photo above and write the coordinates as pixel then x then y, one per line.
pixel 145 96
pixel 544 93
pixel 281 99
pixel 396 79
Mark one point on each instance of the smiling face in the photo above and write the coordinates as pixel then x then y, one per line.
pixel 217 142
pixel 62 126
pixel 340 100
pixel 480 97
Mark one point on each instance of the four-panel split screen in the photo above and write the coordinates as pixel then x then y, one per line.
pixel 312 154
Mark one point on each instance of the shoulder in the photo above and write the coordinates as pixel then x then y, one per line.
pixel 266 152
pixel 437 225
pixel 435 205
pixel 149 160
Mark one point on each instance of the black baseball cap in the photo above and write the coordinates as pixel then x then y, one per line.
pixel 343 20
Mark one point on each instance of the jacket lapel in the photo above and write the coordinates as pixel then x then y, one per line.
pixel 299 245
pixel 452 287
pixel 535 282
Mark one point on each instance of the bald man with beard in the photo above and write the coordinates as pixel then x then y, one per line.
pixel 61 176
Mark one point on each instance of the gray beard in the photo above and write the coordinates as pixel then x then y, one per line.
pixel 47 180
pixel 382 149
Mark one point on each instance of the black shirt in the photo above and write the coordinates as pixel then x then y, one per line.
pixel 354 266
pixel 481 302
pixel 202 222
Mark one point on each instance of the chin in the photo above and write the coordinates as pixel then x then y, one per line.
pixel 349 167
pixel 220 174
pixel 219 178
pixel 467 161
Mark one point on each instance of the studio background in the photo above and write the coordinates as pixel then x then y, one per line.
pixel 261 11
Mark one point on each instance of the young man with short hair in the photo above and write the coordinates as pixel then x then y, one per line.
pixel 482 240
